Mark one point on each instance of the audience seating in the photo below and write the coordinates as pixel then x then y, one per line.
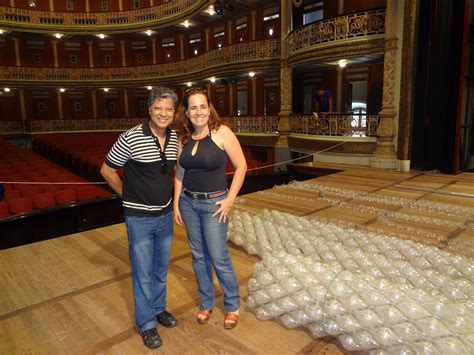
pixel 65 196
pixel 21 205
pixel 4 209
pixel 44 200
pixel 33 182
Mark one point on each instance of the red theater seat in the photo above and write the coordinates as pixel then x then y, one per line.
pixel 44 200
pixel 86 193
pixel 65 196
pixel 29 191
pixel 4 209
pixel 10 194
pixel 21 205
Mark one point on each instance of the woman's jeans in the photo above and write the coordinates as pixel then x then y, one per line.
pixel 150 240
pixel 208 241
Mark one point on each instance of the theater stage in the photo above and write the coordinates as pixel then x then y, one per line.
pixel 73 294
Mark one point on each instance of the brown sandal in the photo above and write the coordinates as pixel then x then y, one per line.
pixel 203 315
pixel 231 319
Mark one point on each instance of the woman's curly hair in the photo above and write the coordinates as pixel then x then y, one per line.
pixel 186 127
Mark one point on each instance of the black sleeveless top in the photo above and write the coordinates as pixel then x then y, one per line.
pixel 205 171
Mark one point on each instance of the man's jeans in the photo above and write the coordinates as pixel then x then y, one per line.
pixel 149 241
pixel 208 241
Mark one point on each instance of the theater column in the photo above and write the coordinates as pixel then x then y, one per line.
pixel 16 43
pixel 12 3
pixel 208 40
pixel 22 105
pixel 94 104
pixel 285 71
pixel 125 103
pixel 282 150
pixel 88 7
pixel 122 51
pixel 55 53
pixel 91 54
pixel 230 33
pixel 60 105
pixel 51 5
pixel 181 47
pixel 340 74
pixel 230 96
pixel 340 7
pixel 253 25
pixel 153 49
pixel 384 155
pixel 254 96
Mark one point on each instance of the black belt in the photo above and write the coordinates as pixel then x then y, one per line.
pixel 203 195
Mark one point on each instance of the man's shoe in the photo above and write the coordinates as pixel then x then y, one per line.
pixel 151 338
pixel 167 320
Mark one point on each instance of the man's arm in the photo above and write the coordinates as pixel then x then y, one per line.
pixel 112 177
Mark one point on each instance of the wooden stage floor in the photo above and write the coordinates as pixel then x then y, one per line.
pixel 73 294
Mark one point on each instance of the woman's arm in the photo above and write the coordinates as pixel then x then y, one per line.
pixel 234 151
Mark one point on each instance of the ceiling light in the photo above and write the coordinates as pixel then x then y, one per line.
pixel 342 63
pixel 62 89
pixel 213 79
pixel 149 87
pixel 189 84
pixel 6 89
pixel 58 35
pixel 1 31
pixel 32 3
pixel 251 74
pixel 186 23
pixel 210 10
pixel 148 32
pixel 106 89
pixel 101 36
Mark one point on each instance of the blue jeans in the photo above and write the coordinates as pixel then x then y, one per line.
pixel 208 242
pixel 149 240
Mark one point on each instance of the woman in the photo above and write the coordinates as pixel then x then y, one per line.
pixel 203 202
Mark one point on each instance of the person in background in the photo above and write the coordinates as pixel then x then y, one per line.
pixel 148 153
pixel 323 101
pixel 203 201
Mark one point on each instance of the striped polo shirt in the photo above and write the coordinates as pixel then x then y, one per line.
pixel 147 191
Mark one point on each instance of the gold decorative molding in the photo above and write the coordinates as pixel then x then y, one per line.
pixel 346 27
pixel 104 22
pixel 259 55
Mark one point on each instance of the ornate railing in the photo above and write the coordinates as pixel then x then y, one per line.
pixel 358 24
pixel 257 124
pixel 250 51
pixel 344 124
pixel 90 21
pixel 43 126
pixel 11 127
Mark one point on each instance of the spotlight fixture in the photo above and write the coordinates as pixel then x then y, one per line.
pixel 149 87
pixel 212 79
pixel 251 74
pixel 31 3
pixel 106 89
pixel 186 23
pixel 189 84
pixel 1 31
pixel 342 63
pixel 101 36
pixel 148 32
pixel 62 89
pixel 58 35
pixel 221 5
pixel 6 89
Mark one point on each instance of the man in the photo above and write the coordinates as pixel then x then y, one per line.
pixel 148 154
pixel 323 101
